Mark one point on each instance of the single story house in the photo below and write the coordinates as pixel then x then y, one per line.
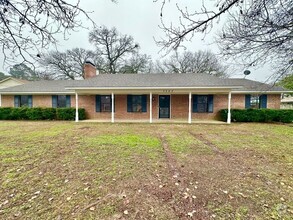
pixel 145 96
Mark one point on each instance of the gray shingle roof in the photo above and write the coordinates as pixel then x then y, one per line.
pixel 250 85
pixel 44 86
pixel 155 81
pixel 140 80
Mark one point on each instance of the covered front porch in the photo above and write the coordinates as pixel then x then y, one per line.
pixel 154 106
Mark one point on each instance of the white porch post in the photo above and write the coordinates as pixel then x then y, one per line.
pixel 76 107
pixel 112 113
pixel 189 108
pixel 229 108
pixel 151 107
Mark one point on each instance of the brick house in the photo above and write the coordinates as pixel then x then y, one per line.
pixel 145 97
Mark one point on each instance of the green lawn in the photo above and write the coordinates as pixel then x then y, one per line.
pixel 67 170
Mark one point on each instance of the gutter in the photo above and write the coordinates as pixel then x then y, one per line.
pixel 262 92
pixel 149 88
pixel 35 93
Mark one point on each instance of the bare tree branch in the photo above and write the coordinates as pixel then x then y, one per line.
pixel 27 27
pixel 256 32
pixel 261 33
pixel 198 62
pixel 68 64
pixel 113 46
pixel 195 23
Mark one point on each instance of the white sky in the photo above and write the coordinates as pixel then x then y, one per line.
pixel 140 18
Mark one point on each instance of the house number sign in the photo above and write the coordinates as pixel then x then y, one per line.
pixel 168 90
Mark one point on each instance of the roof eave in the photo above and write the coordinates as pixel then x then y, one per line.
pixel 259 91
pixel 36 93
pixel 152 88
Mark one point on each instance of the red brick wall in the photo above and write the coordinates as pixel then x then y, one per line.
pixel 7 101
pixel 220 102
pixel 179 106
pixel 237 101
pixel 38 101
pixel 42 101
pixel 89 103
pixel 274 101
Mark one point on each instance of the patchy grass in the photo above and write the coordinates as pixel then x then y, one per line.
pixel 64 170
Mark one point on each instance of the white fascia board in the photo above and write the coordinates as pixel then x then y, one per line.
pixel 150 88
pixel 36 93
pixel 262 92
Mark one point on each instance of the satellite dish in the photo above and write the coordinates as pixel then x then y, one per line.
pixel 246 72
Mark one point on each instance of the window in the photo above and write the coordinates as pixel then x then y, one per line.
pixel 136 103
pixel 202 103
pixel 255 101
pixel 61 101
pixel 23 101
pixel 103 103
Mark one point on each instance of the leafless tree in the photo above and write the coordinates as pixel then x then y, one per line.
pixel 28 26
pixel 197 62
pixel 68 64
pixel 137 63
pixel 256 31
pixel 113 47
pixel 263 32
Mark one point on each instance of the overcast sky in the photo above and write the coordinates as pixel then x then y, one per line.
pixel 140 18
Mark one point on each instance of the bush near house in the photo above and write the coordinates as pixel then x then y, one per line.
pixel 25 113
pixel 258 115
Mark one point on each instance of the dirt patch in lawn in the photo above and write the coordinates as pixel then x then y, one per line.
pixel 178 189
pixel 206 142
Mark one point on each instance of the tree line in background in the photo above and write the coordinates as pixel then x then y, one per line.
pixel 116 53
pixel 256 32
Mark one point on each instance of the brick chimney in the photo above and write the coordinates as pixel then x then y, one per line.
pixel 89 69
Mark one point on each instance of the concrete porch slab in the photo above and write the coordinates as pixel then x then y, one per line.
pixel 157 121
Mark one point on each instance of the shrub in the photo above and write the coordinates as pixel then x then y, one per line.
pixel 5 113
pixel 25 113
pixel 18 113
pixel 69 114
pixel 65 114
pixel 49 114
pixel 81 113
pixel 35 113
pixel 258 115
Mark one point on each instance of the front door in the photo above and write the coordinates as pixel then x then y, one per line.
pixel 164 106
